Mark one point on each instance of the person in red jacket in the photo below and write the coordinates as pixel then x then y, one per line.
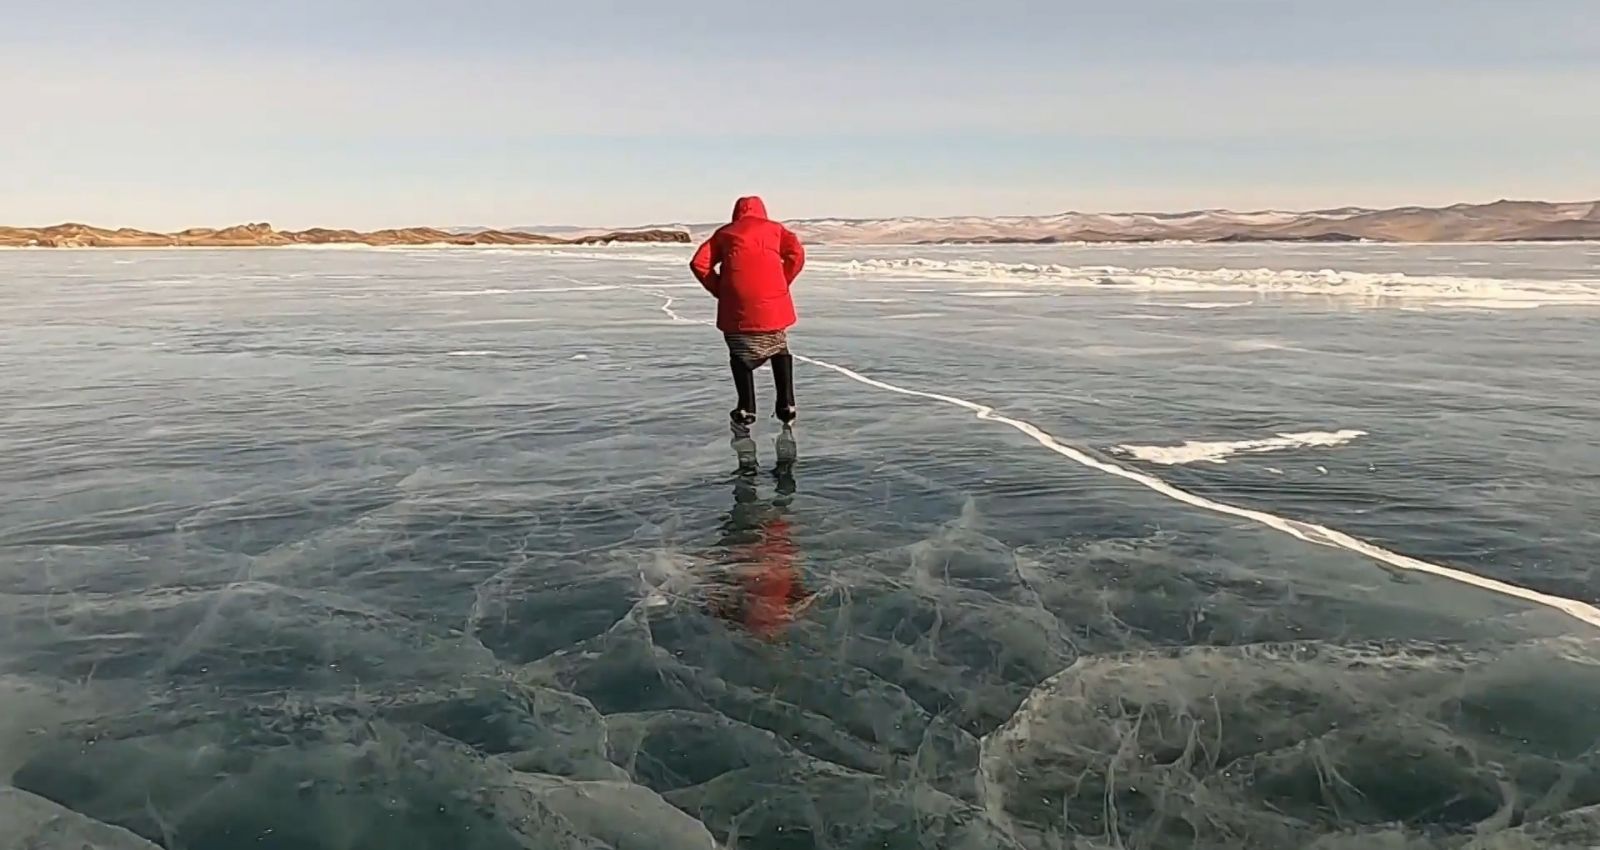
pixel 748 265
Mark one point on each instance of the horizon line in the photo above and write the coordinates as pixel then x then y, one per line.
pixel 660 224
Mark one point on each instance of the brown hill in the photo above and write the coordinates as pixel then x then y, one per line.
pixel 656 235
pixel 72 235
pixel 1496 222
pixel 1501 221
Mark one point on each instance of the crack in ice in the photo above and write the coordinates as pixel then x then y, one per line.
pixel 1306 531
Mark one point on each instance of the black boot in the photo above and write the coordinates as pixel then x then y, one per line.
pixel 744 382
pixel 783 378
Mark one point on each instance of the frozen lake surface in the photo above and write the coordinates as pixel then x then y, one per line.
pixel 1123 547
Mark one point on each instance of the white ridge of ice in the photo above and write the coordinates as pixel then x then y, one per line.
pixel 1195 451
pixel 621 252
pixel 477 322
pixel 1441 288
pixel 532 291
pixel 1308 532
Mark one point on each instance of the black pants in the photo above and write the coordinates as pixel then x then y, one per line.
pixel 744 382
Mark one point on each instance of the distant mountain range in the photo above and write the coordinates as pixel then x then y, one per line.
pixel 1501 221
pixel 262 235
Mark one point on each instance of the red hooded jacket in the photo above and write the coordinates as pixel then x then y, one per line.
pixel 748 265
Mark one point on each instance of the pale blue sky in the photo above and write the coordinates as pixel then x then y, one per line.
pixel 611 112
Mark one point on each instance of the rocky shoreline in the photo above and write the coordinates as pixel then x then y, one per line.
pixel 264 235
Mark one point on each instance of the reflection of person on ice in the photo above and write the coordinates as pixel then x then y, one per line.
pixel 758 583
pixel 764 593
pixel 748 265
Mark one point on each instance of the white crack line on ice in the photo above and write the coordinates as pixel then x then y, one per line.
pixel 1309 532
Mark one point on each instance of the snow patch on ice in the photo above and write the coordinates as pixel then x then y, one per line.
pixel 1197 451
pixel 1393 285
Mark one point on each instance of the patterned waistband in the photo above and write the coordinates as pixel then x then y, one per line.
pixel 754 349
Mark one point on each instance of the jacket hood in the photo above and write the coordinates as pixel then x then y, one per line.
pixel 749 206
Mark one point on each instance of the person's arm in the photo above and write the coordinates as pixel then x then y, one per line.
pixel 793 254
pixel 704 266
